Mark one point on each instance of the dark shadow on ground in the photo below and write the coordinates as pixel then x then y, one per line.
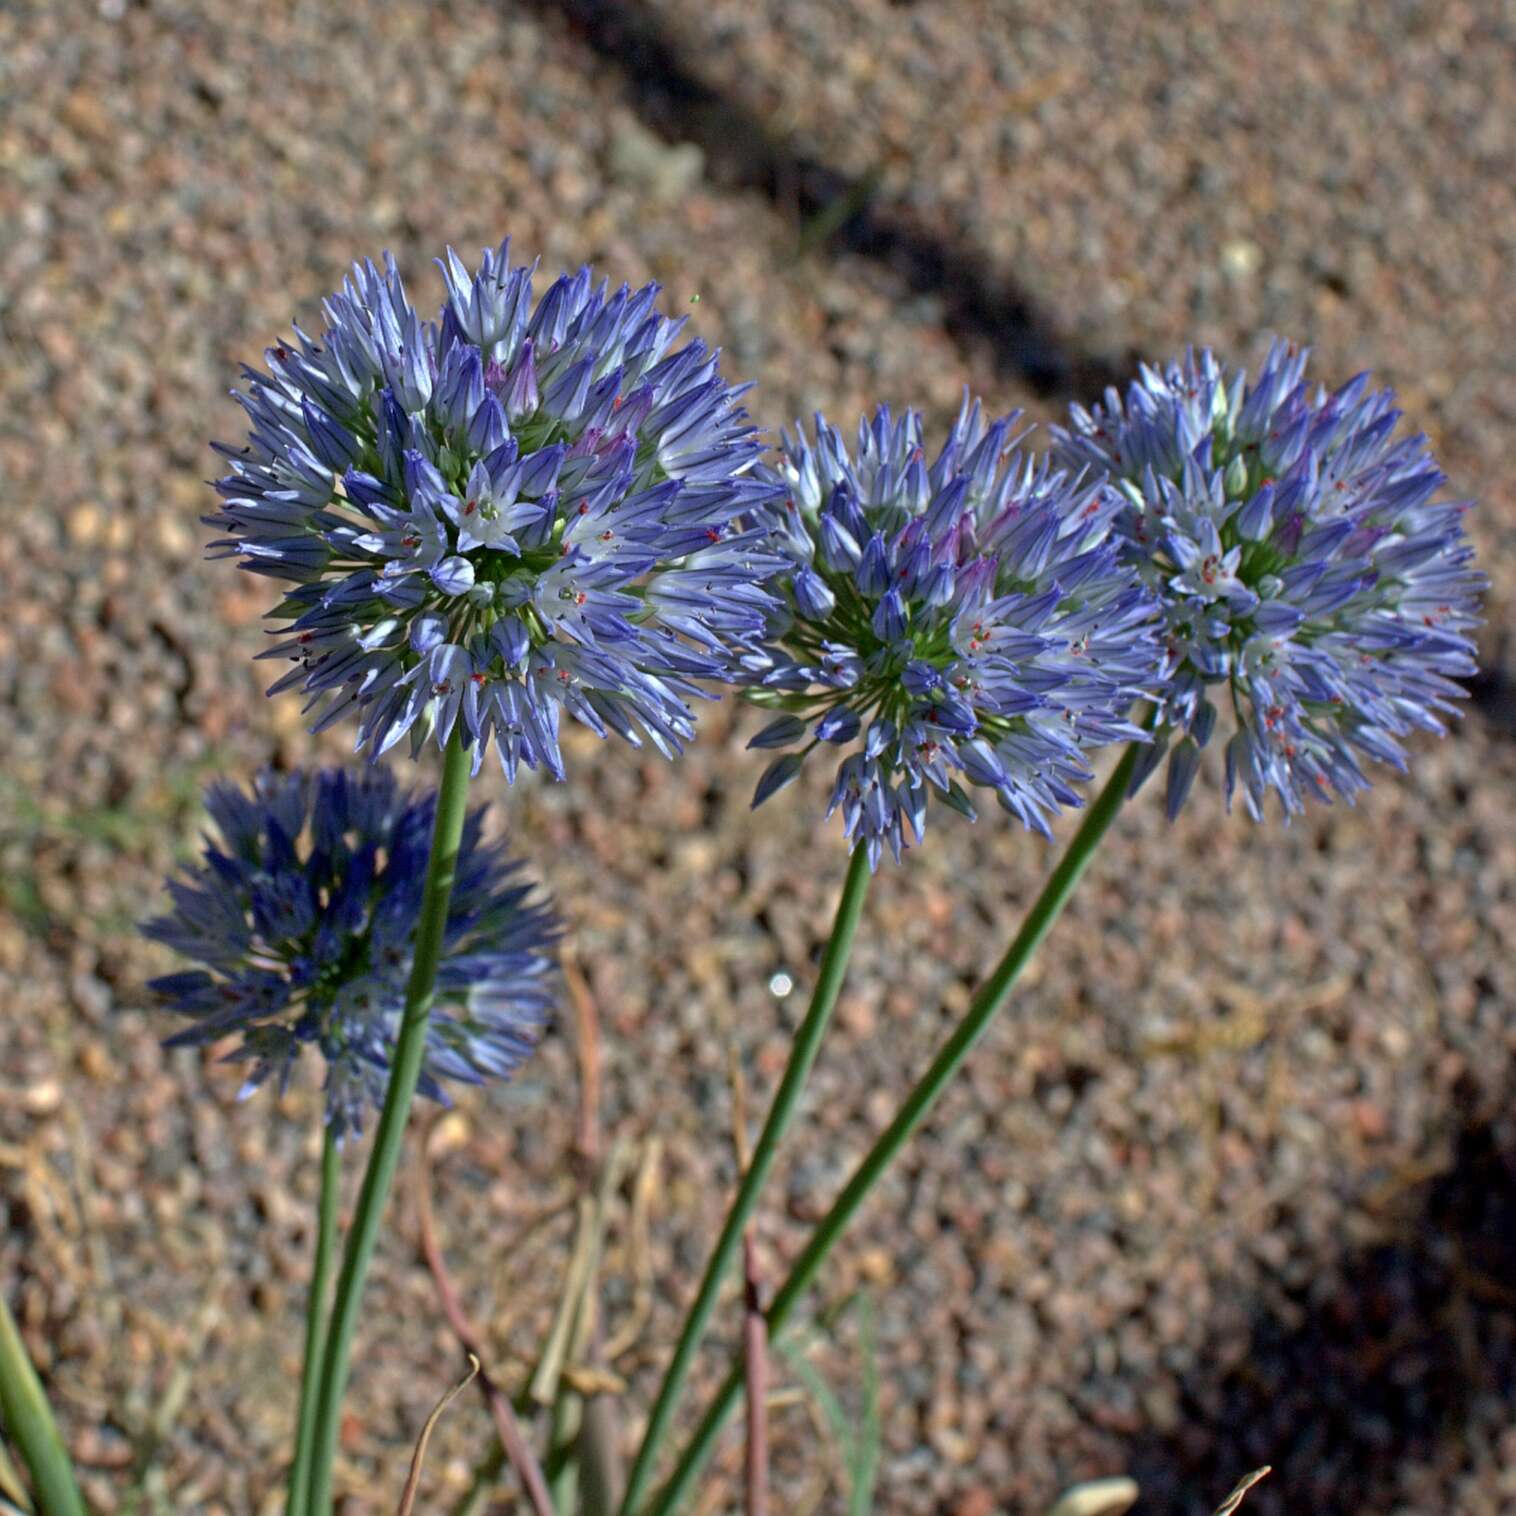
pixel 741 152
pixel 1492 692
pixel 1402 1354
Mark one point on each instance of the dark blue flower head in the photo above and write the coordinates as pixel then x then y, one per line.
pixel 1303 563
pixel 960 621
pixel 519 509
pixel 303 916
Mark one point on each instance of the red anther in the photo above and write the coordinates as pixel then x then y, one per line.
pixel 616 403
pixel 281 352
pixel 410 542
pixel 470 508
pixel 443 687
pixel 479 678
pixel 789 502
pixel 606 535
pixel 305 637
pixel 580 598
pixel 713 534
pixel 584 508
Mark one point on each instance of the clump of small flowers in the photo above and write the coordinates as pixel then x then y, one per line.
pixel 959 621
pixel 303 917
pixel 1306 570
pixel 520 509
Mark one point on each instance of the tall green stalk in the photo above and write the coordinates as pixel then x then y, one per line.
pixel 786 1101
pixel 992 996
pixel 437 893
pixel 315 1323
pixel 28 1419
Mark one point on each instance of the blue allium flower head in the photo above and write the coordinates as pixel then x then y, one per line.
pixel 963 621
pixel 303 916
pixel 519 509
pixel 1304 566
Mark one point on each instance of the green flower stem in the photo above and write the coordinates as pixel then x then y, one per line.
pixel 315 1323
pixel 991 997
pixel 29 1420
pixel 786 1101
pixel 389 1135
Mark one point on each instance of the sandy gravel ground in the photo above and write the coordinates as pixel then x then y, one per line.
pixel 1236 1180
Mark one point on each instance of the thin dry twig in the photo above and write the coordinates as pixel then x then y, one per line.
pixel 587 1041
pixel 645 1190
pixel 572 1327
pixel 413 1479
pixel 1243 1485
pixel 512 1439
pixel 555 1350
pixel 739 1110
pixel 11 1487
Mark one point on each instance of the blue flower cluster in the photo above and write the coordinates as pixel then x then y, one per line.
pixel 959 620
pixel 519 509
pixel 303 916
pixel 1303 563
pixel 532 506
